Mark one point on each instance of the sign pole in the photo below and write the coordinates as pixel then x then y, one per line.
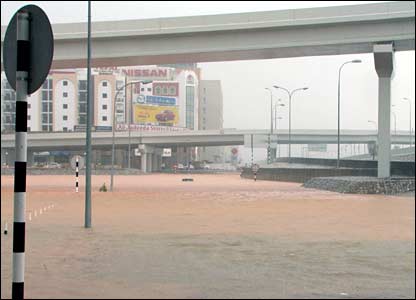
pixel 27 57
pixel 89 109
pixel 76 174
pixel 22 74
pixel 252 156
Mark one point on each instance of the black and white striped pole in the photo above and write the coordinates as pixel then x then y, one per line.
pixel 27 58
pixel 22 71
pixel 76 174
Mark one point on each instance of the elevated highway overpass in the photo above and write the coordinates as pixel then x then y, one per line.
pixel 205 138
pixel 241 36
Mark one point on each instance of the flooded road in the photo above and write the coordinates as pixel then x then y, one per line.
pixel 216 237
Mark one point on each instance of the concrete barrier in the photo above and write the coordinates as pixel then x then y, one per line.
pixel 304 174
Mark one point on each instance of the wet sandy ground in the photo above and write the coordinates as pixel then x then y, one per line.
pixel 217 237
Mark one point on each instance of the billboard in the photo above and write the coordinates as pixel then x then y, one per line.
pixel 155 100
pixel 158 115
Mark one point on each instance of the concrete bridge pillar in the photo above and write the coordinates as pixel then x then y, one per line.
pixel 384 64
pixel 147 153
pixel 144 162
pixel 154 162
pixel 149 162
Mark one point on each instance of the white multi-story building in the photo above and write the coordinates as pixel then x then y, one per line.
pixel 211 117
pixel 61 103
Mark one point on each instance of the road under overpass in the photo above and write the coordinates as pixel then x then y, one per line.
pixel 151 144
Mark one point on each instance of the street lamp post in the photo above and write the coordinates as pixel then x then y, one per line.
pixel 278 143
pixel 114 123
pixel 290 94
pixel 375 148
pixel 271 125
pixel 275 113
pixel 410 121
pixel 275 120
pixel 339 102
pixel 271 110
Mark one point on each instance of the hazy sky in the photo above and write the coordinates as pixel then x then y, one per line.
pixel 246 103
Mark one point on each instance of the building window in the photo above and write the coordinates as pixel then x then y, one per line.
pixel 190 79
pixel 172 91
pixel 28 129
pixel 65 95
pixel 105 106
pixel 64 83
pixel 47 84
pixel 104 95
pixel 65 129
pixel 28 105
pixel 190 98
pixel 158 90
pixel 28 117
pixel 82 85
pixel 65 106
pixel 82 119
pixel 142 89
pixel 104 83
pixel 104 118
pixel 44 127
pixel 149 89
pixel 65 118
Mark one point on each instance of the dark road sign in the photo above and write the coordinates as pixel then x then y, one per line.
pixel 41 48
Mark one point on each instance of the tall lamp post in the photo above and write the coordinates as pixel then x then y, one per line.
pixel 375 124
pixel 339 101
pixel 269 155
pixel 114 123
pixel 271 110
pixel 410 121
pixel 290 94
pixel 275 124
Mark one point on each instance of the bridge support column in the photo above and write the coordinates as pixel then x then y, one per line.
pixel 154 162
pixel 384 64
pixel 149 162
pixel 147 153
pixel 143 164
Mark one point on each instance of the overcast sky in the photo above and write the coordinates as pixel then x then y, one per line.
pixel 246 103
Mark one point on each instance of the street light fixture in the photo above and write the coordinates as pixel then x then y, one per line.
pixel 271 110
pixel 290 112
pixel 278 144
pixel 339 102
pixel 373 122
pixel 275 112
pixel 114 123
pixel 410 120
pixel 375 149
